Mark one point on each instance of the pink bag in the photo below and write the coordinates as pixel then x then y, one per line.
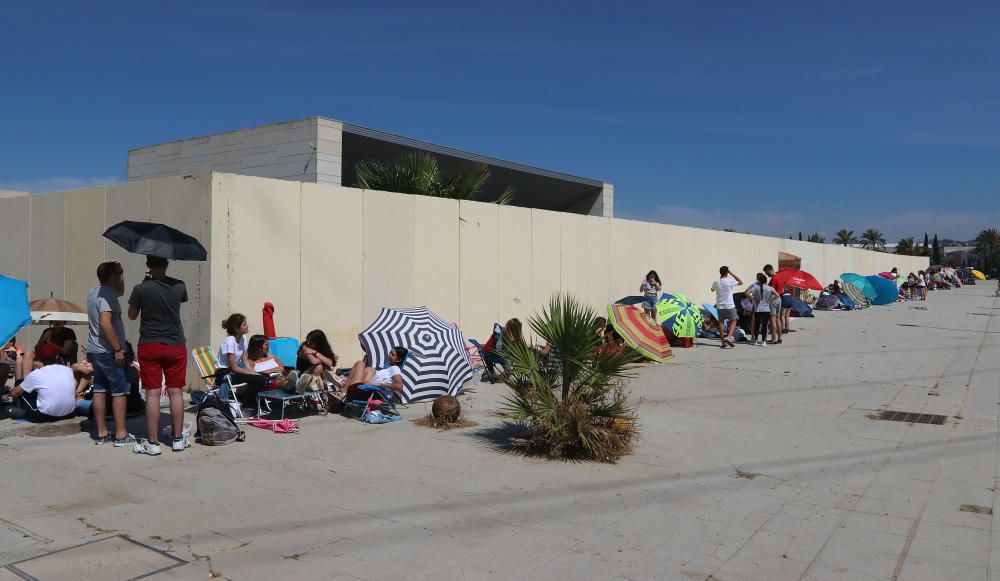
pixel 285 426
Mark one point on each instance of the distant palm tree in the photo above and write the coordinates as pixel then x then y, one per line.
pixel 845 237
pixel 872 239
pixel 988 248
pixel 419 173
pixel 908 246
pixel 816 237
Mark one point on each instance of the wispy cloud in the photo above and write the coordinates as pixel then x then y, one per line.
pixel 953 225
pixel 58 183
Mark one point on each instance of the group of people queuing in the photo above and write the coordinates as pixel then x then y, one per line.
pixel 766 304
pixel 50 384
pixel 249 365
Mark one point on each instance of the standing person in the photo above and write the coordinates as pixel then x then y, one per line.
pixel 777 323
pixel 650 289
pixel 162 352
pixel 106 352
pixel 764 298
pixel 723 287
pixel 922 285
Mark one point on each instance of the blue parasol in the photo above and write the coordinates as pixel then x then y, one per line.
pixel 14 311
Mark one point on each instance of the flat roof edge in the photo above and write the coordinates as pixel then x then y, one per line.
pixel 462 154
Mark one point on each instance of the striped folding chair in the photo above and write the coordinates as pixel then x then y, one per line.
pixel 204 360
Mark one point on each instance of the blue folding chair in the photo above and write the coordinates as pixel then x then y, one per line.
pixel 384 395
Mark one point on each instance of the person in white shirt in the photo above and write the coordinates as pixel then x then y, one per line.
pixel 390 376
pixel 233 362
pixel 51 392
pixel 723 288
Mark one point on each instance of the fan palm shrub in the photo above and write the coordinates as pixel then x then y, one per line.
pixel 579 408
pixel 419 173
pixel 908 246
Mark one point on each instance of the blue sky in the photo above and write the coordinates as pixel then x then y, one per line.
pixel 768 117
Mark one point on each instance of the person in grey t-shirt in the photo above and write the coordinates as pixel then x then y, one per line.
pixel 106 351
pixel 161 351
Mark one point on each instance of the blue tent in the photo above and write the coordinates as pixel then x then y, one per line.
pixel 14 311
pixel 861 282
pixel 885 289
pixel 801 308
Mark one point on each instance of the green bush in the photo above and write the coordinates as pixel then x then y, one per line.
pixel 577 406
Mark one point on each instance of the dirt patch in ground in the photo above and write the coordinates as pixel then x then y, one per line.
pixel 52 430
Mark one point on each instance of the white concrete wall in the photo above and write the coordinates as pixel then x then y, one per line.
pixel 306 150
pixel 472 263
pixel 58 242
pixel 331 257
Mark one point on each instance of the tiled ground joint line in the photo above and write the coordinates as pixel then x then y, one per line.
pixel 911 534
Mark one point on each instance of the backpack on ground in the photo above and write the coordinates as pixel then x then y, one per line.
pixel 216 426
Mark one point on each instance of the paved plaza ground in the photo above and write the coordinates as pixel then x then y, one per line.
pixel 762 463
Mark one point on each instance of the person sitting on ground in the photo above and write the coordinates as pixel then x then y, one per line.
pixel 63 338
pixel 390 376
pixel 709 327
pixel 316 357
pixel 51 392
pixel 262 361
pixel 599 325
pixel 233 362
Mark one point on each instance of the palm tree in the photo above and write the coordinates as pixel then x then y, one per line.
pixel 419 173
pixel 908 246
pixel 872 239
pixel 816 237
pixel 845 237
pixel 581 409
pixel 988 248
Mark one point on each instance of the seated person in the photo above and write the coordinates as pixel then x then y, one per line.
pixel 63 338
pixel 709 327
pixel 390 376
pixel 51 392
pixel 316 357
pixel 233 362
pixel 261 361
pixel 512 332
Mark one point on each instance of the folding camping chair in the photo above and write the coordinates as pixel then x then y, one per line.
pixel 383 395
pixel 204 360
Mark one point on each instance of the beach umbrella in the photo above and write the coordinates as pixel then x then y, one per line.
pixel 949 271
pixel 886 292
pixel 152 239
pixel 639 332
pixel 14 311
pixel 887 275
pixel 798 279
pixel 44 311
pixel 861 283
pixel 711 309
pixel 900 279
pixel 978 274
pixel 856 296
pixel 677 313
pixel 438 363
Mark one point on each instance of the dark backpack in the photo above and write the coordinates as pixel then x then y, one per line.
pixel 216 425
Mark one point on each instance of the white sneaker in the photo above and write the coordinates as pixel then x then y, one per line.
pixel 147 447
pixel 758 343
pixel 179 444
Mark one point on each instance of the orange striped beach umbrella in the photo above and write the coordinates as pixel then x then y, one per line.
pixel 643 335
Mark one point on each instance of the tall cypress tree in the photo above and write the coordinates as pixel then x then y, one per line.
pixel 927 250
pixel 936 251
pixel 800 235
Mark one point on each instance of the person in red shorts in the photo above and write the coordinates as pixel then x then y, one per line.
pixel 162 352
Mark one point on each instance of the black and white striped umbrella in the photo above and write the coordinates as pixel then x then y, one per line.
pixel 438 363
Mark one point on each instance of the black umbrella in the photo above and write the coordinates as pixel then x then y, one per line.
pixel 152 239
